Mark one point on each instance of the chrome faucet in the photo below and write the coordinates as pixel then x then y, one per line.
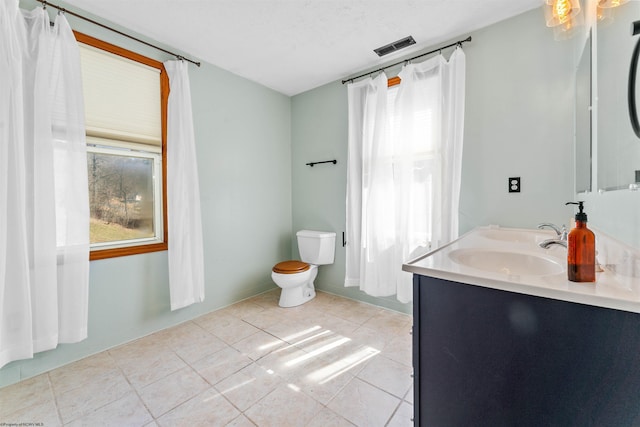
pixel 560 240
pixel 552 226
pixel 546 243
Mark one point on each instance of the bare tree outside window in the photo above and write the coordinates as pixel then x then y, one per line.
pixel 121 197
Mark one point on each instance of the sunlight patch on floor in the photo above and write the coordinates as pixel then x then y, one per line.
pixel 293 387
pixel 274 343
pixel 302 333
pixel 319 351
pixel 237 386
pixel 312 337
pixel 339 367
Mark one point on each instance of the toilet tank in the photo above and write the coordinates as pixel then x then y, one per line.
pixel 316 247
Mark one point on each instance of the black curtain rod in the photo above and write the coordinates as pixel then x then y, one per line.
pixel 458 43
pixel 62 9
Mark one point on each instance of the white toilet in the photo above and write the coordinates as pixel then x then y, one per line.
pixel 296 277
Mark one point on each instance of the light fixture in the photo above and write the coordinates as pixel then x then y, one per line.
pixel 604 12
pixel 568 29
pixel 560 12
pixel 608 4
pixel 565 17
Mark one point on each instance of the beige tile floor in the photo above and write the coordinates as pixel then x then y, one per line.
pixel 330 362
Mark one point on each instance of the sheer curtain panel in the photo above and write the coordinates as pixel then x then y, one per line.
pixel 367 112
pixel 186 259
pixel 44 222
pixel 15 311
pixel 403 180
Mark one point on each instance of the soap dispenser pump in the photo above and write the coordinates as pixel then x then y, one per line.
pixel 581 249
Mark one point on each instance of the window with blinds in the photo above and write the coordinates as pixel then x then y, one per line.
pixel 110 81
pixel 123 97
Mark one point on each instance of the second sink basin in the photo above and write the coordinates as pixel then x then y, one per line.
pixel 509 263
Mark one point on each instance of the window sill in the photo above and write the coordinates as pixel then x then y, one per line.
pixel 97 254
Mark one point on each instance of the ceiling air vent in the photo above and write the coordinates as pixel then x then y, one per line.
pixel 397 45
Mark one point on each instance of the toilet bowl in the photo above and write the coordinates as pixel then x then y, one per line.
pixel 297 286
pixel 296 277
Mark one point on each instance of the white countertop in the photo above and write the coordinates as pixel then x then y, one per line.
pixel 611 289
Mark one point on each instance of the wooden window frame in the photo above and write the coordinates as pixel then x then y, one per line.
pixel 96 254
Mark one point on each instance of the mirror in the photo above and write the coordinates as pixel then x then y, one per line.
pixel 615 148
pixel 618 152
pixel 583 119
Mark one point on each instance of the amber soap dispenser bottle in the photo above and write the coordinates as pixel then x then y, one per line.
pixel 581 249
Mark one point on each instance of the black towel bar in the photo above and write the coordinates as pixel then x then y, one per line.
pixel 326 161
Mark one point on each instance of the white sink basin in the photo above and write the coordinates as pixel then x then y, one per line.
pixel 510 263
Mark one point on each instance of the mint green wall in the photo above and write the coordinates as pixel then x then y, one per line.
pixel 243 144
pixel 518 122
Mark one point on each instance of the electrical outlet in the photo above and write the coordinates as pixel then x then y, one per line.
pixel 514 184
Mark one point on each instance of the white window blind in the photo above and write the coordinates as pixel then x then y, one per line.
pixel 109 80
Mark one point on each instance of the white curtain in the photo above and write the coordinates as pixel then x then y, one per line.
pixel 44 208
pixel 403 188
pixel 366 164
pixel 186 259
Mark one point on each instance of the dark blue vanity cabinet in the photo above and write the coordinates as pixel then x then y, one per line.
pixel 488 357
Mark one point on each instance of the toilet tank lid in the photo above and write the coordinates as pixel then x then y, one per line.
pixel 317 234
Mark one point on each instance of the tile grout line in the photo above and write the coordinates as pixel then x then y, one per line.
pixel 55 398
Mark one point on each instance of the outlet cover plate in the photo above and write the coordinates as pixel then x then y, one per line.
pixel 514 184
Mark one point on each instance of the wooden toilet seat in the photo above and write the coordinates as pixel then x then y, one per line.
pixel 290 267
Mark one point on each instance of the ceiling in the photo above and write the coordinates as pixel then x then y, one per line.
pixel 293 46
